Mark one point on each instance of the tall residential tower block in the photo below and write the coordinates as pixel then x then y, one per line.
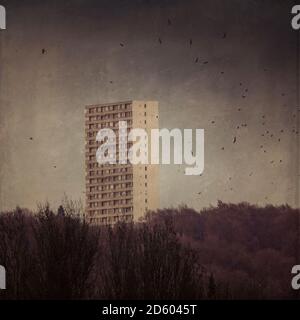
pixel 119 192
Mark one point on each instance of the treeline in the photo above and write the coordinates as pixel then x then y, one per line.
pixel 224 252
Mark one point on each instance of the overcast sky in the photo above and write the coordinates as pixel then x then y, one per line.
pixel 228 67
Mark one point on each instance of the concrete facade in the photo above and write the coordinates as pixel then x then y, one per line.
pixel 119 192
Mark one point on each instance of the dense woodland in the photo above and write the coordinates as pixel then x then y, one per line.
pixel 231 251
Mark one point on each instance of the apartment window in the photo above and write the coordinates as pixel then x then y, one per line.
pixel 145 106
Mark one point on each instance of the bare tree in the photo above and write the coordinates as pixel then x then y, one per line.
pixel 66 249
pixel 16 253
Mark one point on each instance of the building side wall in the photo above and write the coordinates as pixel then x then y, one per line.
pixel 145 177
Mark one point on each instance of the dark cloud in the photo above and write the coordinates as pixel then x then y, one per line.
pixel 237 79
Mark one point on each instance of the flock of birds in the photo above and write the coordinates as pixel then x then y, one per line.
pixel 265 133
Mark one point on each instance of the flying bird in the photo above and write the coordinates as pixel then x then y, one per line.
pixel 169 22
pixel 122 44
pixel 191 42
pixel 43 51
pixel 30 138
pixel 159 40
pixel 234 140
pixel 224 35
pixel 196 60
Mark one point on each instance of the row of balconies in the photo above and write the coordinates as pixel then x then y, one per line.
pixel 92 150
pixel 112 178
pixel 103 125
pixel 108 117
pixel 111 210
pixel 105 175
pixel 109 183
pixel 91 133
pixel 111 219
pixel 110 203
pixel 96 166
pixel 109 195
pixel 105 191
pixel 94 143
pixel 108 109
